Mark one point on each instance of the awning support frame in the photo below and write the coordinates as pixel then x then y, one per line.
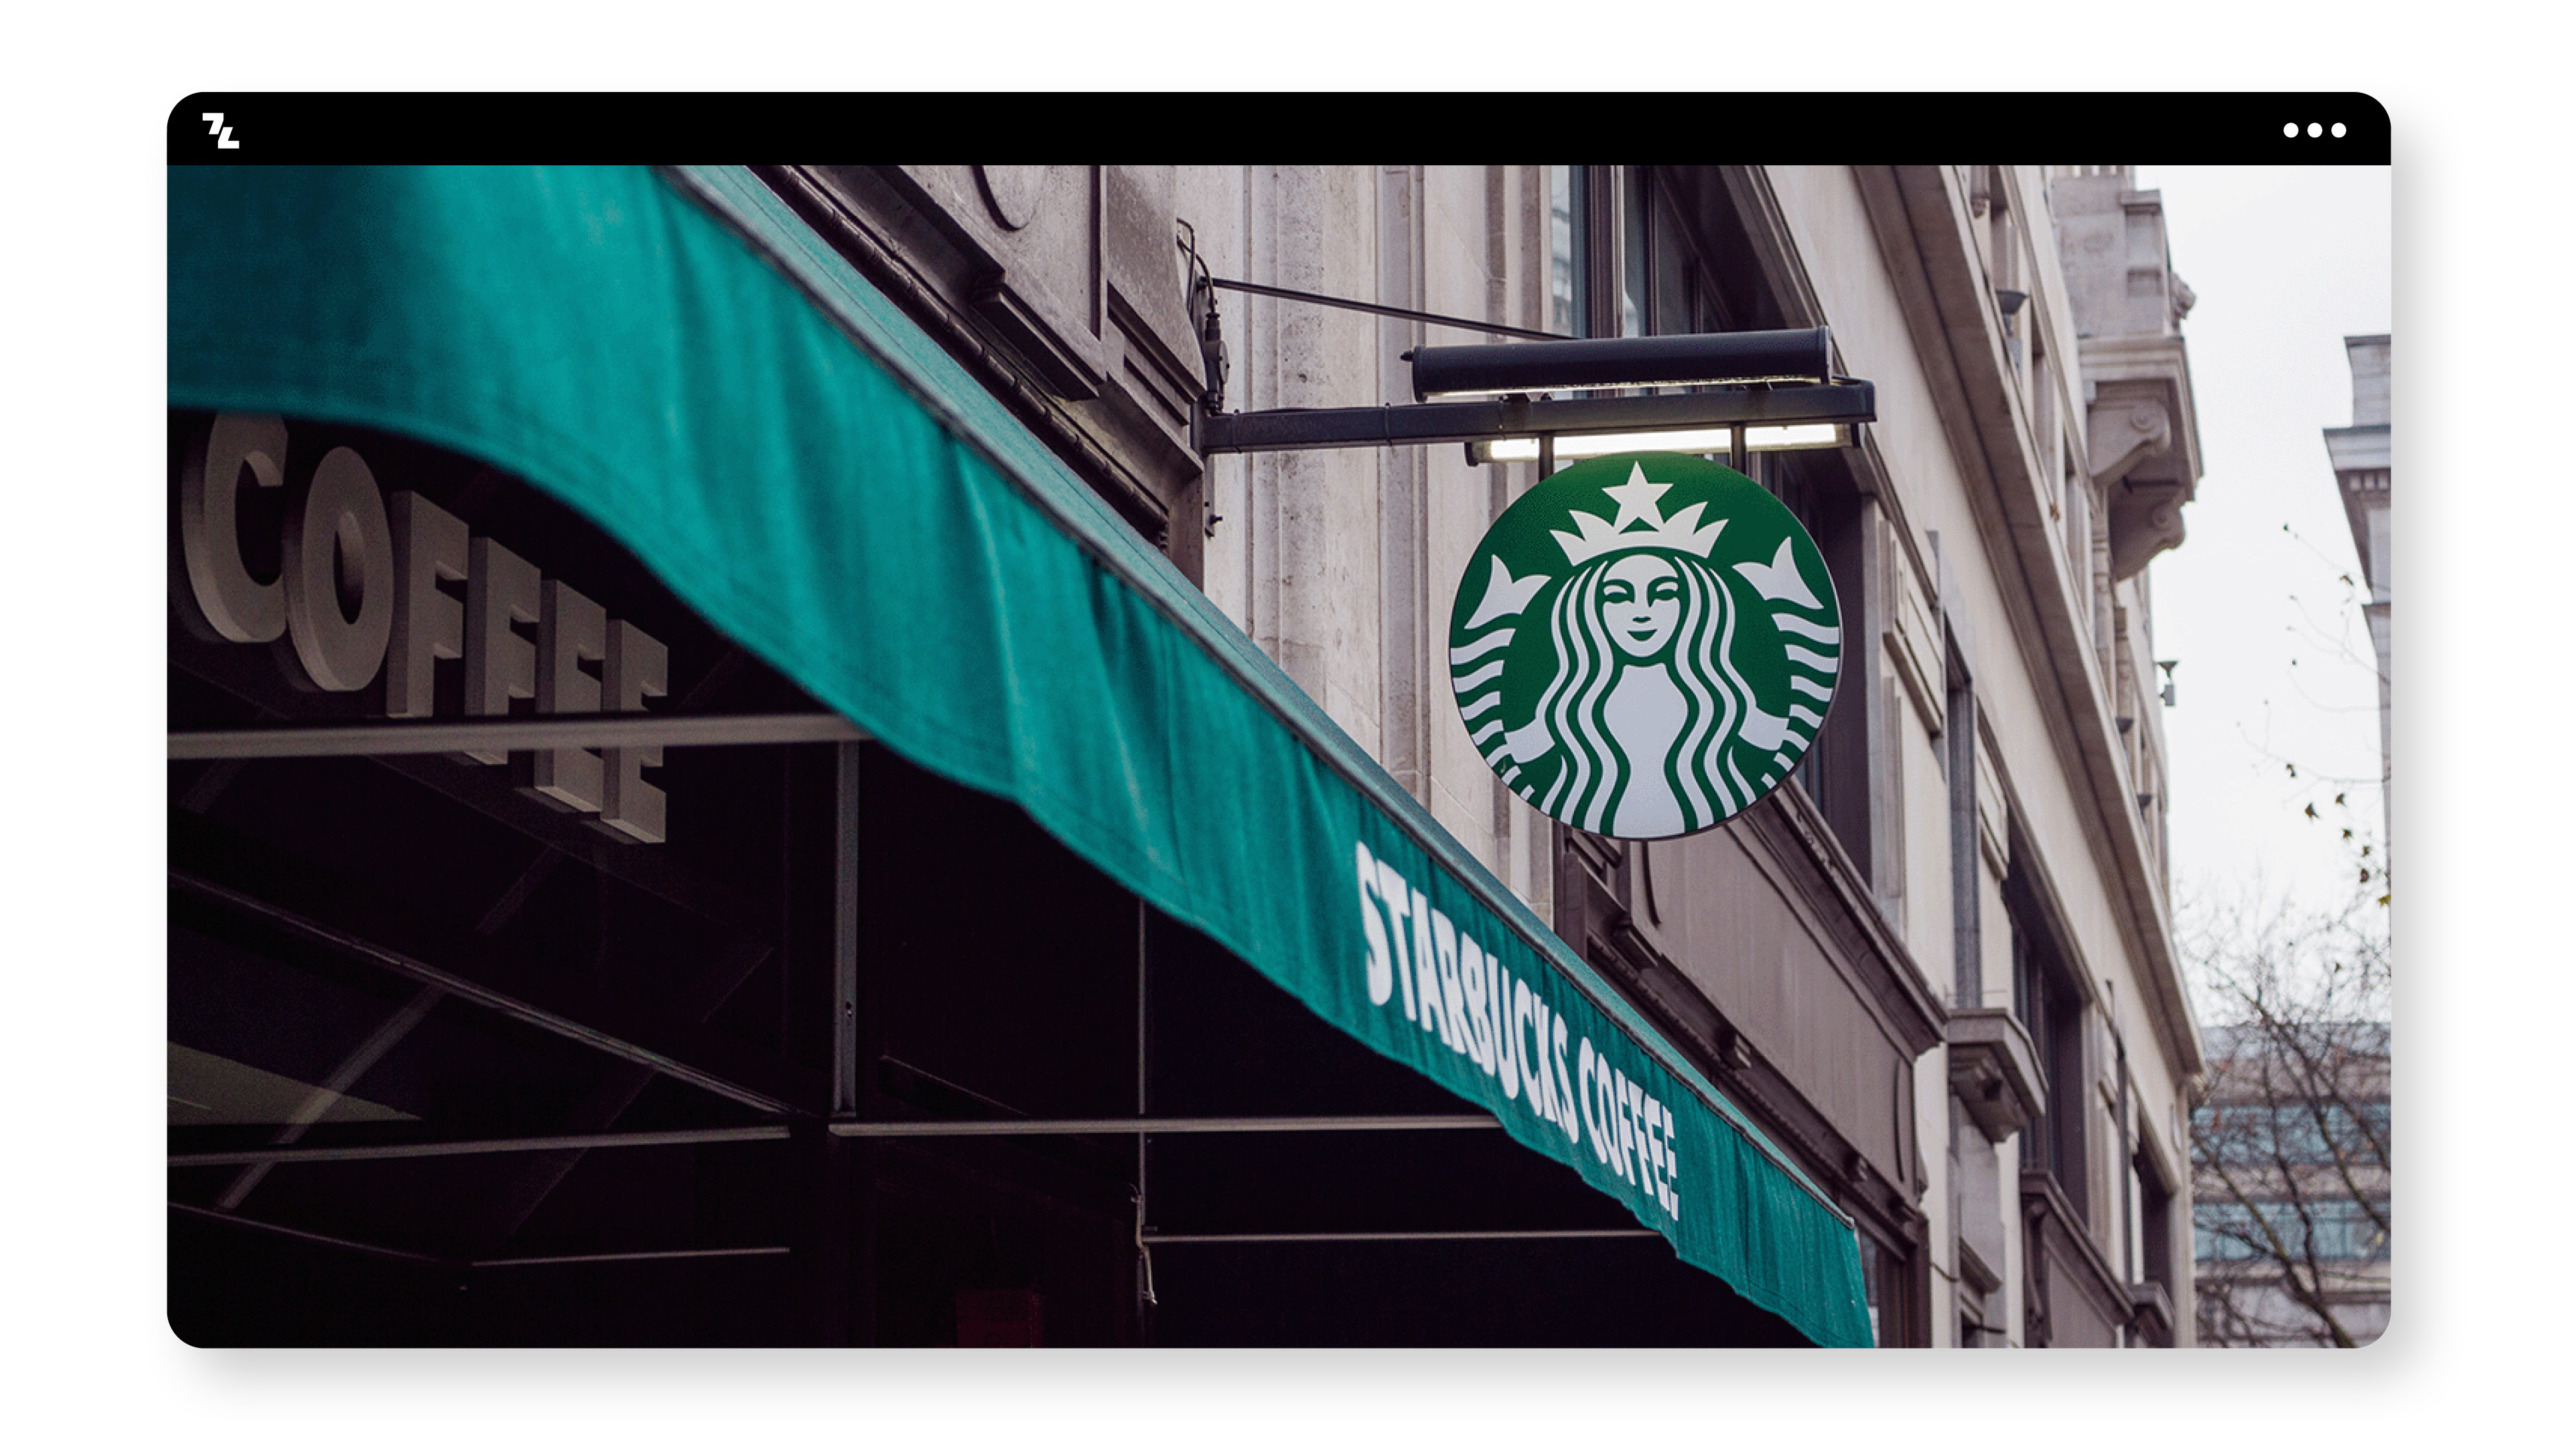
pixel 386 958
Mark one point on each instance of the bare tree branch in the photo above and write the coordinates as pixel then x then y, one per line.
pixel 2292 1137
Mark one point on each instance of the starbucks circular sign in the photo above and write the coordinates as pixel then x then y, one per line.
pixel 1645 644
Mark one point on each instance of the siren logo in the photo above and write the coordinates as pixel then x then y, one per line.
pixel 1644 645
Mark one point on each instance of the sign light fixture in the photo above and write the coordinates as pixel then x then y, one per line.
pixel 1756 438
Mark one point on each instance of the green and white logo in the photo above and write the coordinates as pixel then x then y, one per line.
pixel 1645 644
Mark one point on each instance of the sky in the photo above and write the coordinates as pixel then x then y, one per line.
pixel 2262 605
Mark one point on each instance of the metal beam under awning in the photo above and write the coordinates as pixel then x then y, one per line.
pixel 545 732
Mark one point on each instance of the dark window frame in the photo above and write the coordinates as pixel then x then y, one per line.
pixel 2048 1000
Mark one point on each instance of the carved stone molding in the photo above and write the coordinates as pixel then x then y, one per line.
pixel 1012 192
pixel 2143 462
pixel 2153 1317
pixel 2143 519
pixel 2124 429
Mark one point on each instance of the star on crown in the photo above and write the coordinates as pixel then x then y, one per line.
pixel 1639 526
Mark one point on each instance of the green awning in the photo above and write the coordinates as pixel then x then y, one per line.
pixel 677 357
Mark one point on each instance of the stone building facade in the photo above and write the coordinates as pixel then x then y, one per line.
pixel 1937 964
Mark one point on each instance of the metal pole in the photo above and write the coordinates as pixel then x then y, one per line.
pixel 847 1097
pixel 1365 1235
pixel 1146 1276
pixel 1164 1125
pixel 544 732
pixel 1373 308
pixel 341 1080
pixel 437 1149
pixel 1142 1030
pixel 847 1129
pixel 720 1254
pixel 243 1222
pixel 832 1221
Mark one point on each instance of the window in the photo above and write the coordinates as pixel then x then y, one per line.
pixel 1633 237
pixel 1568 248
pixel 2050 1005
pixel 2312 1231
pixel 2153 1202
pixel 1890 1311
pixel 1815 484
pixel 1635 262
pixel 2268 1134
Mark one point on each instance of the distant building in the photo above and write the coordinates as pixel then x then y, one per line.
pixel 2293 1186
pixel 2360 453
pixel 2293 1141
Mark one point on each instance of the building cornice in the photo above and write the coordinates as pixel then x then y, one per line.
pixel 1919 217
pixel 2144 457
pixel 2359 447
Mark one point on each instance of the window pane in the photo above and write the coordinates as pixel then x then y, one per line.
pixel 1635 267
pixel 1566 227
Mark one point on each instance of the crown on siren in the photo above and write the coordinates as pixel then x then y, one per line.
pixel 1639 525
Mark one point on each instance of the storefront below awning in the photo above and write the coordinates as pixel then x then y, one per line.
pixel 448 1066
pixel 677 358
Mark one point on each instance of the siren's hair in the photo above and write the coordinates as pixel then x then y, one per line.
pixel 1593 771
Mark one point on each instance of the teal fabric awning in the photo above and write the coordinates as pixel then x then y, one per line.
pixel 675 355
